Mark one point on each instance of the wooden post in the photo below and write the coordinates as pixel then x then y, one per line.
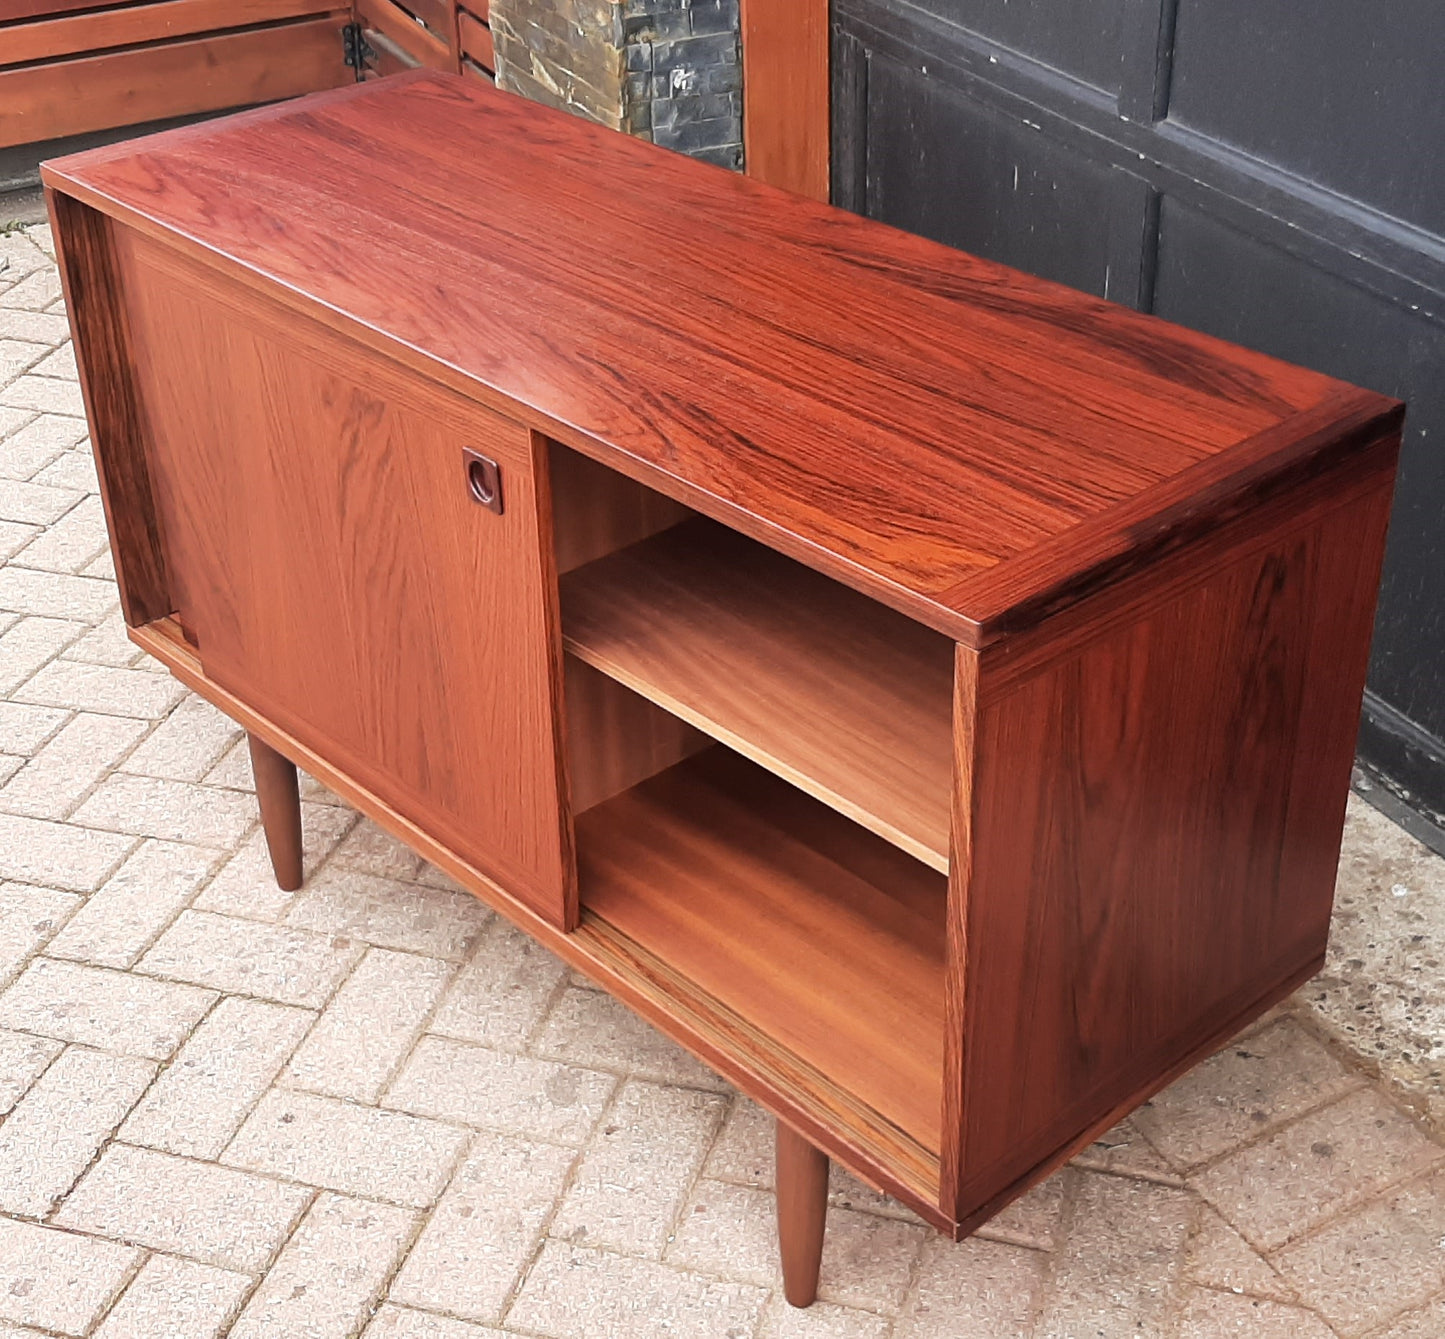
pixel 280 801
pixel 802 1175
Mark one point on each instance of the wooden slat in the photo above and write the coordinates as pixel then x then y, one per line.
pixel 395 24
pixel 785 94
pixel 43 102
pixel 19 10
pixel 476 40
pixel 76 34
pixel 824 939
pixel 846 699
pixel 479 9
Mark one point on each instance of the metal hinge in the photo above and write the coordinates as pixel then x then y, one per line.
pixel 356 50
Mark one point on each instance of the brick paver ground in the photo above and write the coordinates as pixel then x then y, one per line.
pixel 373 1108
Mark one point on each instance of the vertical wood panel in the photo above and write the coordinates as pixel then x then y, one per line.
pixel 785 94
pixel 94 298
pixel 1145 838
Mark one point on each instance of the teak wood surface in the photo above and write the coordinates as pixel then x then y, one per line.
pixel 1037 703
pixel 911 420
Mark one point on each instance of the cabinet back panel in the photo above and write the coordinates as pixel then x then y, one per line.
pixel 338 573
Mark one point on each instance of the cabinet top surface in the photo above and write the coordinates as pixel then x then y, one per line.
pixel 958 439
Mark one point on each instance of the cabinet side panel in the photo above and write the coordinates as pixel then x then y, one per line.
pixel 1152 822
pixel 94 299
pixel 339 574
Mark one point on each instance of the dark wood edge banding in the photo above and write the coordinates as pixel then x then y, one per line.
pixel 1173 514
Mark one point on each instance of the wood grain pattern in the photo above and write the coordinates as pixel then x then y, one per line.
pixel 805 1099
pixel 423 46
pixel 802 1187
pixel 279 799
pixel 94 299
pixel 338 572
pixel 785 94
pixel 596 511
pixel 1146 839
pixel 134 84
pixel 616 738
pixel 49 39
pixel 825 939
pixel 475 40
pixel 902 416
pixel 835 693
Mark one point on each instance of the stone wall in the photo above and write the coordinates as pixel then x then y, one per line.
pixel 665 70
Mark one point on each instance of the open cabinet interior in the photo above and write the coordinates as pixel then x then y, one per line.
pixel 760 763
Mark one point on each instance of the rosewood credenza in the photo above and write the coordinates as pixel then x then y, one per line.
pixel 925 692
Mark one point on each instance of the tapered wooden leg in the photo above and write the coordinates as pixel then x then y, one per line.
pixel 280 810
pixel 802 1214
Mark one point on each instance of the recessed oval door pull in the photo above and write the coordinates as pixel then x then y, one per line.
pixel 484 479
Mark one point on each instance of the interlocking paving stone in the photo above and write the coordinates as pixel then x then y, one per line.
pixel 46 328
pixel 730 1230
pixel 29 449
pixel 822 1320
pixel 186 745
pixel 173 1298
pixel 134 905
pixel 359 1150
pixel 1381 990
pixel 498 1090
pixel 71 469
pixel 485 1228
pixel 1220 1258
pixel 390 914
pixel 114 1011
pixel 56 778
pixel 246 884
pixel 104 688
pixel 57 1280
pixel 974 1289
pixel 593 1030
pixel 500 996
pixel 369 1026
pixel 61 364
pixel 23 1059
pixel 1215 1315
pixel 60 1124
pixel 373 850
pixel 274 962
pixel 41 393
pixel 71 542
pixel 1362 1269
pixel 1246 1090
pixel 575 1293
pixel 398 1322
pixel 28 644
pixel 1426 1323
pixel 1326 1163
pixel 105 644
pixel 171 810
pixel 1118 1267
pixel 28 918
pixel 1032 1219
pixel 636 1172
pixel 329 1273
pixel 59 855
pixel 14 536
pixel 218 1215
pixel 33 503
pixel 217 1077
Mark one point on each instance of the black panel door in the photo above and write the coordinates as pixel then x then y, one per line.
pixel 1266 170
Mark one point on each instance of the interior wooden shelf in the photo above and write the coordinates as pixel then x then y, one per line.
pixel 822 938
pixel 840 695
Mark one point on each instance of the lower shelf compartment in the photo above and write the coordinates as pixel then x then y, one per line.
pixel 825 941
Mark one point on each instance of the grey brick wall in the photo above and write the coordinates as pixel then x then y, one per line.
pixel 665 70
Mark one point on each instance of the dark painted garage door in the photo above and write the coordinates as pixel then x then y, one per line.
pixel 1272 171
